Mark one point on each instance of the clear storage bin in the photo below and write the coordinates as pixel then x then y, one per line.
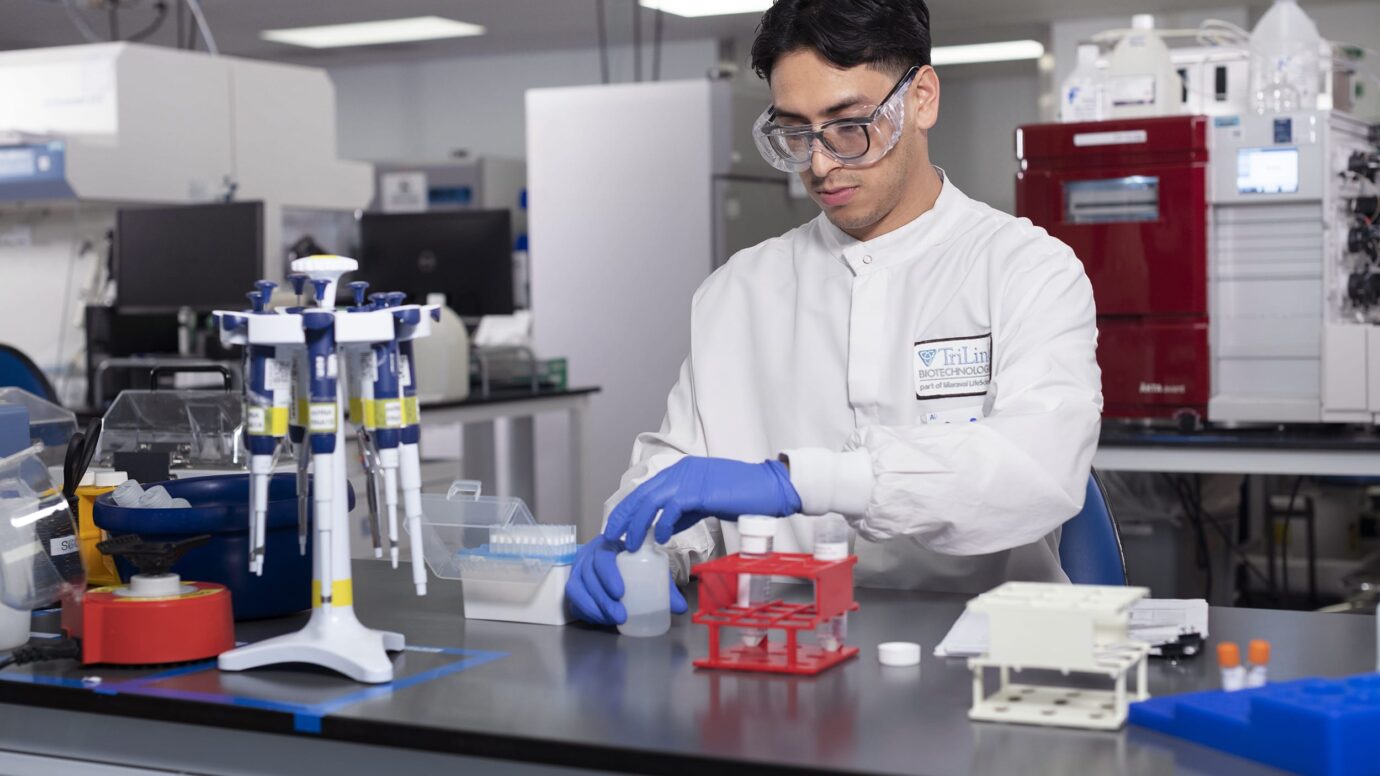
pixel 198 429
pixel 513 568
pixel 49 424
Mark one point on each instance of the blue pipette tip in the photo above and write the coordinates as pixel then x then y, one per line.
pixel 320 284
pixel 396 298
pixel 359 287
pixel 299 282
pixel 256 301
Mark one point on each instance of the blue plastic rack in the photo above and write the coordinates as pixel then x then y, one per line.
pixel 1317 727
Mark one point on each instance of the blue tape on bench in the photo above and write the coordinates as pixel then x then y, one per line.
pixel 306 717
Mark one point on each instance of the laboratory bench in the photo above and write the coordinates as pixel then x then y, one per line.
pixel 505 698
pixel 1336 451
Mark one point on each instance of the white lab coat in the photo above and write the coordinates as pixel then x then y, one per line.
pixel 863 364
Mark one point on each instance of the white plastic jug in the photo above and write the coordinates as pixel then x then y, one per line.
pixel 1081 96
pixel 1141 78
pixel 1285 60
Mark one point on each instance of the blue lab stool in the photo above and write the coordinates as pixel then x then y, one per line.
pixel 1090 544
pixel 19 371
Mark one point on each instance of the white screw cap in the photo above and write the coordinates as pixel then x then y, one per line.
pixel 110 479
pixel 898 653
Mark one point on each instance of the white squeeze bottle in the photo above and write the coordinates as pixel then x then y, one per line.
pixel 646 590
pixel 1081 97
pixel 1141 78
pixel 831 543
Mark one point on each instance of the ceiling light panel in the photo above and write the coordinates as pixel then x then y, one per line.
pixel 417 28
pixel 1005 51
pixel 707 7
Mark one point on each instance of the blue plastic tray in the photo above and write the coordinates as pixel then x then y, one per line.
pixel 1317 727
pixel 220 507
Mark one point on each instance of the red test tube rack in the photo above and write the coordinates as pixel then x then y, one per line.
pixel 718 608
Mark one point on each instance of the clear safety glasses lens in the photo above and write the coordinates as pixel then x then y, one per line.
pixel 853 142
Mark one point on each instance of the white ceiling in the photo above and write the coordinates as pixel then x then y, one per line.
pixel 514 25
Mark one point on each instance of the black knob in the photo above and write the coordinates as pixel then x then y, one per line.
pixel 151 558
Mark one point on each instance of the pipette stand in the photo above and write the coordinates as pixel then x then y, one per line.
pixel 1064 628
pixel 718 608
pixel 333 638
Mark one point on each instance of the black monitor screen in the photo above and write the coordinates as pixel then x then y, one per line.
pixel 204 257
pixel 466 255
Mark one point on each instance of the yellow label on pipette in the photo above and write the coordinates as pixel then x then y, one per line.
pixel 266 421
pixel 412 416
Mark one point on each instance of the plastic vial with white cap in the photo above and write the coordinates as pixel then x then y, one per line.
pixel 646 590
pixel 1258 658
pixel 758 535
pixel 1229 661
pixel 831 543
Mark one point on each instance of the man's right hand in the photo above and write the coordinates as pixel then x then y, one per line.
pixel 595 588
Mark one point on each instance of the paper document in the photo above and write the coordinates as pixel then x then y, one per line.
pixel 1154 621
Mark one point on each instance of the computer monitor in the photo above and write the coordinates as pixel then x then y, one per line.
pixel 466 255
pixel 200 256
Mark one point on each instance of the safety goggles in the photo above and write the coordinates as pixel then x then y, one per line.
pixel 853 142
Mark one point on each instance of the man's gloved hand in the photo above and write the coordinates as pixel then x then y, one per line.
pixel 595 587
pixel 695 488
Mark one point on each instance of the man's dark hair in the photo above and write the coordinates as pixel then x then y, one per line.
pixel 887 35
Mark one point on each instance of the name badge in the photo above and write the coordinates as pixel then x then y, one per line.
pixel 956 366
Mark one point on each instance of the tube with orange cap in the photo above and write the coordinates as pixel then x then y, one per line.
pixel 1258 658
pixel 1229 660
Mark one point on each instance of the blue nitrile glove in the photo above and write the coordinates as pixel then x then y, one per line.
pixel 595 587
pixel 695 488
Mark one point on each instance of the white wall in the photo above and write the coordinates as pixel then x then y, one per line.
pixel 974 139
pixel 426 110
pixel 620 242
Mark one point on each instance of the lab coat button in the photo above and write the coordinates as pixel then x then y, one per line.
pixel 867 259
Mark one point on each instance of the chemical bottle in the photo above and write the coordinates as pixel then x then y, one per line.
pixel 646 590
pixel 831 543
pixel 758 536
pixel 1229 661
pixel 1082 96
pixel 1141 78
pixel 1258 656
pixel 1285 72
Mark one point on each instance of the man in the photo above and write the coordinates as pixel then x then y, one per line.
pixel 911 359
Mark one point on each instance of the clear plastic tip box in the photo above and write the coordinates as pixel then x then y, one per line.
pixel 513 569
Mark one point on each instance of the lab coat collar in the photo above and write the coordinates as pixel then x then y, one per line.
pixel 906 243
